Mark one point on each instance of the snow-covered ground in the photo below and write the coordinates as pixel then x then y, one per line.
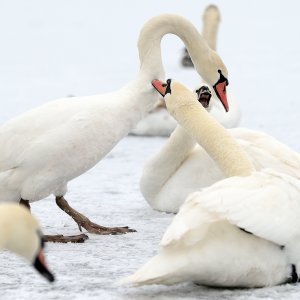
pixel 51 49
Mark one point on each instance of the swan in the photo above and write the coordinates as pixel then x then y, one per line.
pixel 21 234
pixel 182 166
pixel 243 231
pixel 211 20
pixel 160 123
pixel 46 147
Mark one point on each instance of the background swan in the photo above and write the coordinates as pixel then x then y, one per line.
pixel 21 234
pixel 182 166
pixel 46 147
pixel 159 122
pixel 212 239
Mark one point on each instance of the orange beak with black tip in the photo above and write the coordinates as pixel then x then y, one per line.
pixel 41 266
pixel 40 263
pixel 161 87
pixel 220 89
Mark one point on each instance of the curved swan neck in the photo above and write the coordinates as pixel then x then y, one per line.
pixel 162 166
pixel 150 40
pixel 215 139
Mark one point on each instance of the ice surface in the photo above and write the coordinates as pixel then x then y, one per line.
pixel 51 49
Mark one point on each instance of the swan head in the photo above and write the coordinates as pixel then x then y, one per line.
pixel 216 75
pixel 211 14
pixel 172 91
pixel 23 236
pixel 203 94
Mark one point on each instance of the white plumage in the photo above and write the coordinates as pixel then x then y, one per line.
pixel 182 166
pixel 45 148
pixel 160 123
pixel 243 231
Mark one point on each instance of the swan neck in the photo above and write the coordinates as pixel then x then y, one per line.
pixel 216 140
pixel 164 164
pixel 149 43
pixel 210 31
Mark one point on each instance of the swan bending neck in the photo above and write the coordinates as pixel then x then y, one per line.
pixel 150 40
pixel 216 140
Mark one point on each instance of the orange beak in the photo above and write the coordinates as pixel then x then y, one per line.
pixel 160 86
pixel 220 89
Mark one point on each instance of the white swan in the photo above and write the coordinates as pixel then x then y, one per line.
pixel 182 167
pixel 43 149
pixel 211 21
pixel 160 123
pixel 21 234
pixel 157 123
pixel 243 231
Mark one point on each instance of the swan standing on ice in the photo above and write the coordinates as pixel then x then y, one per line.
pixel 159 122
pixel 21 234
pixel 243 231
pixel 46 147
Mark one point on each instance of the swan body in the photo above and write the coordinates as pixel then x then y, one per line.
pixel 182 166
pixel 21 234
pixel 160 123
pixel 243 231
pixel 157 123
pixel 46 147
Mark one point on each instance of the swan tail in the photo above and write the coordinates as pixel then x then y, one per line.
pixel 163 268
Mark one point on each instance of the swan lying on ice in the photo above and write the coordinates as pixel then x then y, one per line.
pixel 243 231
pixel 182 166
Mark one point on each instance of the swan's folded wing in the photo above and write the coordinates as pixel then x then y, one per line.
pixel 190 225
pixel 267 152
pixel 266 204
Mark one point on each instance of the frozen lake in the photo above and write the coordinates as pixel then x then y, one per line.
pixel 51 49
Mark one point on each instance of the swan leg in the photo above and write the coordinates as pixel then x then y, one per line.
pixel 84 222
pixel 58 238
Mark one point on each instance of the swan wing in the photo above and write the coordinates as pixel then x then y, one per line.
pixel 266 204
pixel 267 152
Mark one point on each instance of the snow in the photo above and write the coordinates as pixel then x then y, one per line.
pixel 50 49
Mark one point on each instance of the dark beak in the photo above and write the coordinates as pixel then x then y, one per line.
pixel 41 266
pixel 160 86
